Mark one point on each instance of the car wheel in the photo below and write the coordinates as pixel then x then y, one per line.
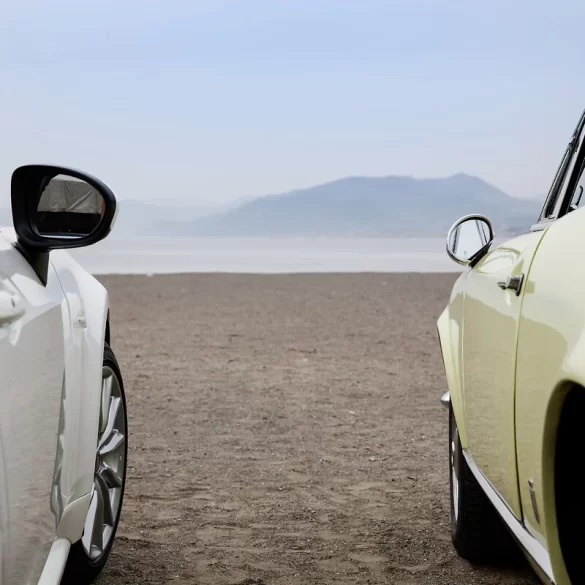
pixel 477 531
pixel 89 555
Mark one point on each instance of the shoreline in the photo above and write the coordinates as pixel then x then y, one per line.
pixel 300 273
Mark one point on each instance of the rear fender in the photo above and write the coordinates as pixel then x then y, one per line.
pixel 571 378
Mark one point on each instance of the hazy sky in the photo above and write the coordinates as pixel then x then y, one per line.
pixel 215 100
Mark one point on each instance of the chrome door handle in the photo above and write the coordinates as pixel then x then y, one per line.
pixel 512 283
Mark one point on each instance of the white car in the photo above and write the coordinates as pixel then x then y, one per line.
pixel 63 420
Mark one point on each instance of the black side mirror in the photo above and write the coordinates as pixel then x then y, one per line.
pixel 58 208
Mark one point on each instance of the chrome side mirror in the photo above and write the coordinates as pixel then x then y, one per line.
pixel 469 239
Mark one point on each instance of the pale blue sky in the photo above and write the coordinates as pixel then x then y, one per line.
pixel 215 100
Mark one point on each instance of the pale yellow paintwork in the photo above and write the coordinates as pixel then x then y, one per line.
pixel 510 360
pixel 491 317
pixel 551 359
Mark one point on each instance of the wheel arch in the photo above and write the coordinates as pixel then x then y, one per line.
pixel 561 488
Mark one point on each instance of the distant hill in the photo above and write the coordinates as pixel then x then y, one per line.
pixel 362 206
pixel 136 217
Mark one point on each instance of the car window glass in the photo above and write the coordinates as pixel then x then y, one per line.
pixel 571 194
pixel 563 188
pixel 577 199
pixel 558 190
pixel 552 198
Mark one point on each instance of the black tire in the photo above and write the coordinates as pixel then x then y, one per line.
pixel 477 532
pixel 80 568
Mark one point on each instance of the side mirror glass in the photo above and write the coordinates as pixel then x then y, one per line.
pixel 56 207
pixel 68 207
pixel 469 239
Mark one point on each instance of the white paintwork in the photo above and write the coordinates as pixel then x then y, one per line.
pixel 32 364
pixel 87 300
pixel 56 560
pixel 10 310
pixel 51 352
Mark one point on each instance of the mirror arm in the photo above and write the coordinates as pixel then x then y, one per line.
pixel 479 255
pixel 38 260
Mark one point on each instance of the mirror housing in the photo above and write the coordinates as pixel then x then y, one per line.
pixel 58 208
pixel 469 239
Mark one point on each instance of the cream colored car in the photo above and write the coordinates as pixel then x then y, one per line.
pixel 513 344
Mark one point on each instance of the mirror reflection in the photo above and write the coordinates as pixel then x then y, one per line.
pixel 68 207
pixel 468 238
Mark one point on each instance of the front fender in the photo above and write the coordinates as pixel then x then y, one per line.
pixel 85 330
pixel 449 343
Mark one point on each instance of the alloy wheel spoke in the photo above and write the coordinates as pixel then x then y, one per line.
pixel 105 406
pixel 110 468
pixel 89 523
pixel 108 514
pixel 113 443
pixel 111 477
pixel 112 416
pixel 97 531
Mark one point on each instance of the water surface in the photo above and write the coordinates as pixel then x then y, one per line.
pixel 265 255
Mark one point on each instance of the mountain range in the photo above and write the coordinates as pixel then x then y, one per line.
pixel 361 206
pixel 354 206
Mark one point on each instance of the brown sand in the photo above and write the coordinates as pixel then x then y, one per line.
pixel 285 429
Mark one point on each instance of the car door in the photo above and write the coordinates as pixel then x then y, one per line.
pixel 491 314
pixel 32 367
pixel 494 293
pixel 551 327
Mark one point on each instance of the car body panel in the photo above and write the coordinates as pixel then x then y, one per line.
pixel 552 361
pixel 88 305
pixel 32 364
pixel 3 514
pixel 449 325
pixel 70 314
pixel 536 552
pixel 488 362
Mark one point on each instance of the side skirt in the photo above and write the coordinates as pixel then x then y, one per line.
pixel 536 553
pixel 56 561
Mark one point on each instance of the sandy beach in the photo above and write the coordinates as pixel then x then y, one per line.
pixel 286 430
